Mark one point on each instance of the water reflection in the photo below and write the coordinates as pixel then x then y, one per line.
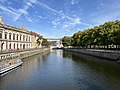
pixel 102 72
pixel 19 78
pixel 59 70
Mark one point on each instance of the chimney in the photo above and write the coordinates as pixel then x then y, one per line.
pixel 1 22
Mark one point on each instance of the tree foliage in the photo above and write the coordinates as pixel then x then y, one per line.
pixel 102 35
pixel 45 42
pixel 66 41
pixel 39 40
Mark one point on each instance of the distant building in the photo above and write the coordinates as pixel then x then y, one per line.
pixel 55 42
pixel 12 38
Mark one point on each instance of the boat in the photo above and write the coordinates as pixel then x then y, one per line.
pixel 8 65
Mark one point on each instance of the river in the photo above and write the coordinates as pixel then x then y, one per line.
pixel 62 70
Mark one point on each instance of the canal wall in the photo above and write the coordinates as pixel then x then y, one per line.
pixel 115 56
pixel 22 53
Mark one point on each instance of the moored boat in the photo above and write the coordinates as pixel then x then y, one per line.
pixel 8 65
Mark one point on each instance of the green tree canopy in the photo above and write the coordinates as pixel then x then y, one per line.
pixel 102 35
pixel 66 41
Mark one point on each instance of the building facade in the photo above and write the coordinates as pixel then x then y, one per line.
pixel 55 42
pixel 34 37
pixel 12 38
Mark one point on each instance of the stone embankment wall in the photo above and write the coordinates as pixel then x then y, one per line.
pixel 98 53
pixel 32 52
pixel 22 53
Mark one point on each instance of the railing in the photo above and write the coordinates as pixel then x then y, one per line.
pixel 20 50
pixel 116 50
pixel 21 53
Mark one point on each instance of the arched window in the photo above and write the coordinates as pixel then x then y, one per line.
pixel 17 46
pixel 5 35
pixel 23 37
pixel 14 45
pixel 20 37
pixel 23 46
pixel 27 46
pixel 26 37
pixel 10 46
pixel 17 36
pixel 13 36
pixel 1 33
pixel 10 36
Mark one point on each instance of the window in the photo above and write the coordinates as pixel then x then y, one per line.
pixel 5 35
pixel 14 45
pixel 13 36
pixel 27 46
pixel 17 46
pixel 29 38
pixel 21 46
pixel 26 37
pixel 10 36
pixel 0 35
pixel 23 37
pixel 17 36
pixel 10 46
pixel 20 37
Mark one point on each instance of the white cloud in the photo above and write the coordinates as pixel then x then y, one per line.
pixel 23 11
pixel 7 10
pixel 76 21
pixel 3 1
pixel 102 4
pixel 33 1
pixel 55 11
pixel 51 9
pixel 74 2
pixel 30 19
pixel 29 4
pixel 108 12
pixel 55 23
pixel 67 30
pixel 42 17
pixel 62 20
pixel 65 26
pixel 17 13
pixel 54 26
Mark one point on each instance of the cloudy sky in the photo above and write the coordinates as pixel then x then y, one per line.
pixel 57 18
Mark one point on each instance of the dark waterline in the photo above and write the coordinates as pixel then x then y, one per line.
pixel 59 70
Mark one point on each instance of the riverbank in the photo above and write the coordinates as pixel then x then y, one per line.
pixel 115 56
pixel 22 53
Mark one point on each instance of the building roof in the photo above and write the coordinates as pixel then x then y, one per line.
pixel 35 34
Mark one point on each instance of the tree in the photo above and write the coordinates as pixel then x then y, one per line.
pixel 66 41
pixel 39 40
pixel 102 35
pixel 45 42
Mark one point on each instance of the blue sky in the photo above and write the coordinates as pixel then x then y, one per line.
pixel 57 18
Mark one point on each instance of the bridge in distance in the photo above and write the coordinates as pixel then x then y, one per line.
pixel 55 42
